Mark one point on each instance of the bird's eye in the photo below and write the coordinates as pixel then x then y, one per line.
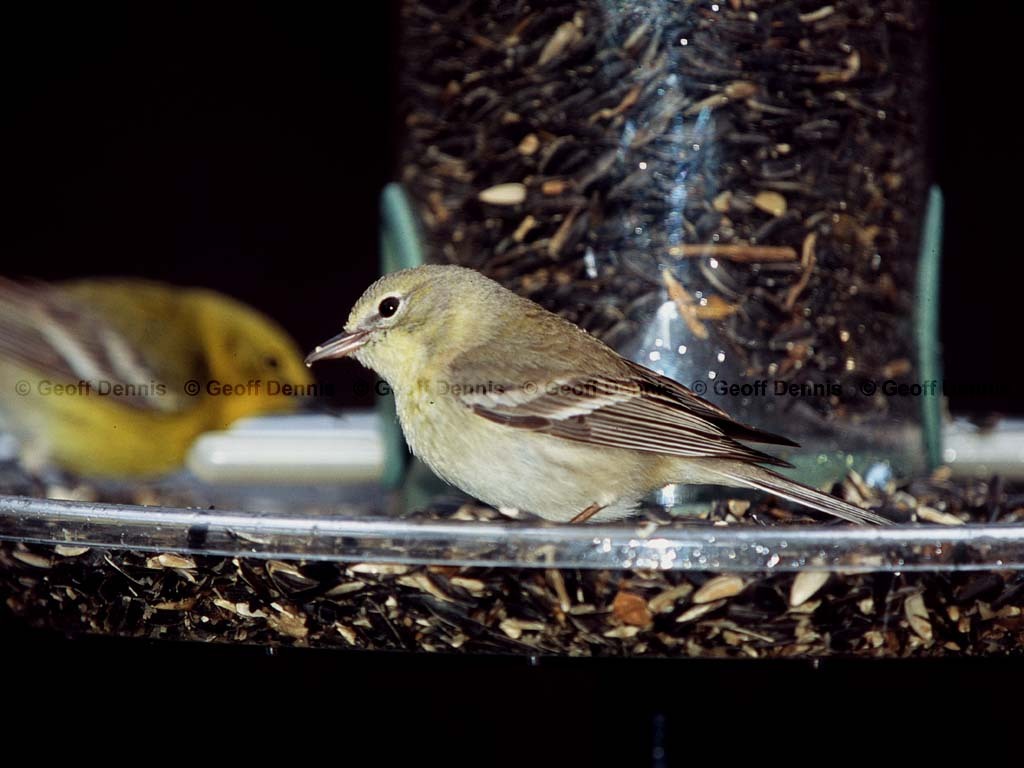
pixel 388 306
pixel 271 362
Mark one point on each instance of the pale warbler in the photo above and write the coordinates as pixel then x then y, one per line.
pixel 520 408
pixel 116 377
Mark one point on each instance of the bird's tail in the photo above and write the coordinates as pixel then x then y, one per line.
pixel 763 479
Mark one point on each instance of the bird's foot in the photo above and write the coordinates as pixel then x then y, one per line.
pixel 587 513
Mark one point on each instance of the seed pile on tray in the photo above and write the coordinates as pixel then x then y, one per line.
pixel 760 164
pixel 75 589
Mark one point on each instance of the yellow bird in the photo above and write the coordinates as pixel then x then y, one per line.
pixel 117 377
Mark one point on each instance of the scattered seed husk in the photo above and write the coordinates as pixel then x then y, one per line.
pixel 553 187
pixel 422 582
pixel 514 628
pixel 557 582
pixel 917 615
pixel 740 89
pixel 171 560
pixel 473 586
pixel 714 101
pixel 735 252
pixel 631 608
pixel 808 261
pixel 566 34
pixel 819 14
pixel 738 507
pixel 347 633
pixel 65 550
pixel 806 585
pixel 288 621
pixel 288 576
pixel 770 202
pixel 699 610
pixel 621 633
pixel 527 224
pixel 345 588
pixel 529 144
pixel 685 304
pixel 716 308
pixel 718 588
pixel 663 602
pixel 512 193
pixel 380 568
pixel 31 558
pixel 930 515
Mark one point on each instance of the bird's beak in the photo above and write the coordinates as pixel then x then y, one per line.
pixel 341 345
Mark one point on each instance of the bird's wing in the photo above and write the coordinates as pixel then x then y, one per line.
pixel 47 331
pixel 635 409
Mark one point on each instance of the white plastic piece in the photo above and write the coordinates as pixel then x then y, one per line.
pixel 973 451
pixel 292 449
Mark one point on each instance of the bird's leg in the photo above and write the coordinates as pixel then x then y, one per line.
pixel 587 513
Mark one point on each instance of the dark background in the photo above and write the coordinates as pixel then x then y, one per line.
pixel 979 160
pixel 134 699
pixel 234 147
pixel 244 149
